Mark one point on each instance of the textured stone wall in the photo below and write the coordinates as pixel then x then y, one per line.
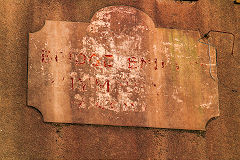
pixel 23 135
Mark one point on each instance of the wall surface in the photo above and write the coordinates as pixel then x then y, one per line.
pixel 24 135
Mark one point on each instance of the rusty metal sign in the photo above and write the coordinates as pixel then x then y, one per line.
pixel 120 69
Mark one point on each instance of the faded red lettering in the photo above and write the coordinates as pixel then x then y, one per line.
pixel 72 82
pixel 102 85
pixel 99 105
pixel 105 63
pixel 70 55
pixel 131 60
pixel 177 66
pixel 143 61
pixel 77 61
pixel 82 86
pixel 80 103
pixel 45 57
pixel 98 62
pixel 56 58
pixel 155 64
pixel 162 64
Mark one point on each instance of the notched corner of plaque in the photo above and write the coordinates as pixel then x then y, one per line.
pixel 44 27
pixel 210 119
pixel 37 109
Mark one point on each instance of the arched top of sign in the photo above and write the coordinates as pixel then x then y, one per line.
pixel 127 15
pixel 121 70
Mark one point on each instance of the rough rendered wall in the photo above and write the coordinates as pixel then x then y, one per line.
pixel 23 135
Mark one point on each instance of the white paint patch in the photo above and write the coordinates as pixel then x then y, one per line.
pixel 121 46
pixel 167 43
pixel 207 105
pixel 178 47
pixel 175 96
pixel 73 74
pixel 78 97
pixel 177 99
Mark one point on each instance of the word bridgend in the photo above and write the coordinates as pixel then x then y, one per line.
pixel 107 60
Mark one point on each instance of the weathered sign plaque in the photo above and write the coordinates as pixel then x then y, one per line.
pixel 121 70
